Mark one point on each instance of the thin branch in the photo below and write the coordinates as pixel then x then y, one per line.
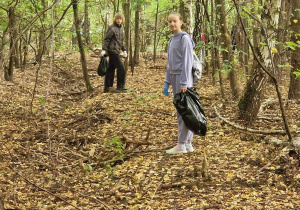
pixel 248 129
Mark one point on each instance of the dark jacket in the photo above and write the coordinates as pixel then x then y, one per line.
pixel 113 41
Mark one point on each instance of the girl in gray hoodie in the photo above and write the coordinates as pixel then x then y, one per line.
pixel 179 75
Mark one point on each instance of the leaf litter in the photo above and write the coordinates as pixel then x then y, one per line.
pixel 107 151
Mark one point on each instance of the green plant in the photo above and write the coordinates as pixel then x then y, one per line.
pixel 116 145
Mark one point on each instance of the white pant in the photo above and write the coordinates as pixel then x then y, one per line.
pixel 184 134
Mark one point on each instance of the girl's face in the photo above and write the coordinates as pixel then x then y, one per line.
pixel 174 23
pixel 119 21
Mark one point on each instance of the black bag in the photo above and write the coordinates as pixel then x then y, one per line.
pixel 102 68
pixel 190 108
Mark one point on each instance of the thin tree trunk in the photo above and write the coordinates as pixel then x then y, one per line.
pixel 86 26
pixel 81 48
pixel 213 40
pixel 41 39
pixel 198 26
pixel 217 63
pixel 155 32
pixel 126 9
pixel 25 49
pixel 143 36
pixel 294 90
pixel 137 36
pixel 8 73
pixel 246 51
pixel 228 57
pixel 188 16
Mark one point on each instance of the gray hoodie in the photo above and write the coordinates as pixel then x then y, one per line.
pixel 180 57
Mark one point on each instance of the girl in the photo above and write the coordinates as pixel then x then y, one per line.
pixel 179 75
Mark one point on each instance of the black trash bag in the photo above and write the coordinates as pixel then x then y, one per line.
pixel 102 67
pixel 190 108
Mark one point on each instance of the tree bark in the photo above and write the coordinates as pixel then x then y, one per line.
pixel 126 9
pixel 198 26
pixel 228 57
pixel 81 48
pixel 250 102
pixel 282 36
pixel 212 39
pixel 8 73
pixel 188 16
pixel 41 39
pixel 86 25
pixel 137 36
pixel 155 32
pixel 294 90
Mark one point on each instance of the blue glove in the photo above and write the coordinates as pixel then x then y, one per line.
pixel 166 90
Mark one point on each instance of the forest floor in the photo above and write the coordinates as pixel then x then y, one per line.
pixel 65 148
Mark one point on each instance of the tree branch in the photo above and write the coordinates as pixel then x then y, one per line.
pixel 248 129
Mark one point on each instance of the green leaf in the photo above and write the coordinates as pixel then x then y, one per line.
pixel 88 167
pixel 285 66
pixel 297 73
pixel 42 101
pixel 263 44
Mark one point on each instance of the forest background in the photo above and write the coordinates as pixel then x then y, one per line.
pixel 67 145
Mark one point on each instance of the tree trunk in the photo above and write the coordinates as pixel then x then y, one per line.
pixel 188 16
pixel 8 73
pixel 198 26
pixel 41 39
pixel 280 58
pixel 143 35
pixel 25 49
pixel 155 33
pixel 86 25
pixel 137 36
pixel 294 90
pixel 16 52
pixel 213 50
pixel 126 9
pixel 250 102
pixel 246 51
pixel 81 48
pixel 228 57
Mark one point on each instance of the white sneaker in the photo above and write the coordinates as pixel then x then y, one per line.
pixel 189 147
pixel 177 150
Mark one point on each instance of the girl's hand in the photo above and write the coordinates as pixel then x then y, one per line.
pixel 183 90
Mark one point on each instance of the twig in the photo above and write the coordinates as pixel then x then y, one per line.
pixel 263 168
pixel 116 187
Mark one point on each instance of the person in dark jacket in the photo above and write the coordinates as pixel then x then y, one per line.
pixel 113 45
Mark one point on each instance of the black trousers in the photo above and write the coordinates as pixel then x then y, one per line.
pixel 115 62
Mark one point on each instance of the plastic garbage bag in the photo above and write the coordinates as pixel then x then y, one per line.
pixel 102 67
pixel 197 68
pixel 190 108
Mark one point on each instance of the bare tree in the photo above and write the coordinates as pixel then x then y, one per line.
pixel 137 35
pixel 81 48
pixel 228 57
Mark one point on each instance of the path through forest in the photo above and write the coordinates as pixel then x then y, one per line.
pixel 107 150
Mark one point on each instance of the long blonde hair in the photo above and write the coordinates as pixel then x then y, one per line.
pixel 180 18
